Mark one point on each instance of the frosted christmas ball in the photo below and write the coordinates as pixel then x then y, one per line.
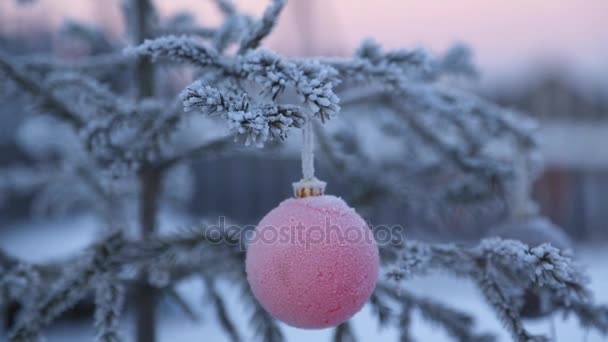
pixel 313 262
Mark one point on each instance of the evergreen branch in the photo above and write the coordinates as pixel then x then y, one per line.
pixel 209 150
pixel 264 326
pixel 22 180
pixel 183 253
pixel 48 101
pixel 590 316
pixel 263 27
pixel 312 80
pixel 380 308
pixel 202 32
pixel 104 98
pixel 457 324
pixel 257 122
pixel 19 282
pixel 458 60
pixel 226 7
pixel 540 267
pixel 392 68
pixel 177 49
pixel 405 324
pixel 46 64
pixel 220 309
pixel 371 63
pixel 109 298
pixel 505 310
pixel 69 290
pixel 344 333
pixel 182 303
pixel 456 154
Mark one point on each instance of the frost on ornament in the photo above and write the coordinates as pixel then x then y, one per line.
pixel 313 262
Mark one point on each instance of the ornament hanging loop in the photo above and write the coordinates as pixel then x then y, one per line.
pixel 309 185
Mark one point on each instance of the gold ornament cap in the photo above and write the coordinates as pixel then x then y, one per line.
pixel 309 188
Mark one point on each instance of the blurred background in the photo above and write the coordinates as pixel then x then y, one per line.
pixel 545 58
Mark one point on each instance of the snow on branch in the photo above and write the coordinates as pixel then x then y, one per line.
pixel 371 60
pixel 177 49
pixel 459 325
pixel 257 123
pixel 493 263
pixel 18 281
pixel 184 253
pixel 391 68
pixel 91 64
pixel 53 97
pixel 48 101
pixel 507 312
pixel 68 290
pixel 115 131
pixel 226 7
pixel 458 60
pixel 21 180
pixel 471 125
pixel 109 298
pixel 263 27
pixel 400 73
pixel 312 80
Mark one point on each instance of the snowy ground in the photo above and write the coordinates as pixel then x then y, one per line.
pixel 36 245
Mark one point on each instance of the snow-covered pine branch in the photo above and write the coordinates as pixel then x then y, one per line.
pixel 226 7
pixel 493 263
pixel 47 101
pixel 112 129
pixel 311 80
pixel 21 180
pixel 74 284
pixel 220 309
pixel 109 298
pixel 43 64
pixel 177 49
pixel 263 27
pixel 344 333
pixel 257 123
pixel 489 264
pixel 18 281
pixel 457 324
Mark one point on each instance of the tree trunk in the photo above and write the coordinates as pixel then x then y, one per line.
pixel 146 295
pixel 150 179
pixel 144 69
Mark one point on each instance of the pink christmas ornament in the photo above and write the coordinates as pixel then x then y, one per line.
pixel 313 262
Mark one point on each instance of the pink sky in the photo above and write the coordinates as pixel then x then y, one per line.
pixel 506 36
